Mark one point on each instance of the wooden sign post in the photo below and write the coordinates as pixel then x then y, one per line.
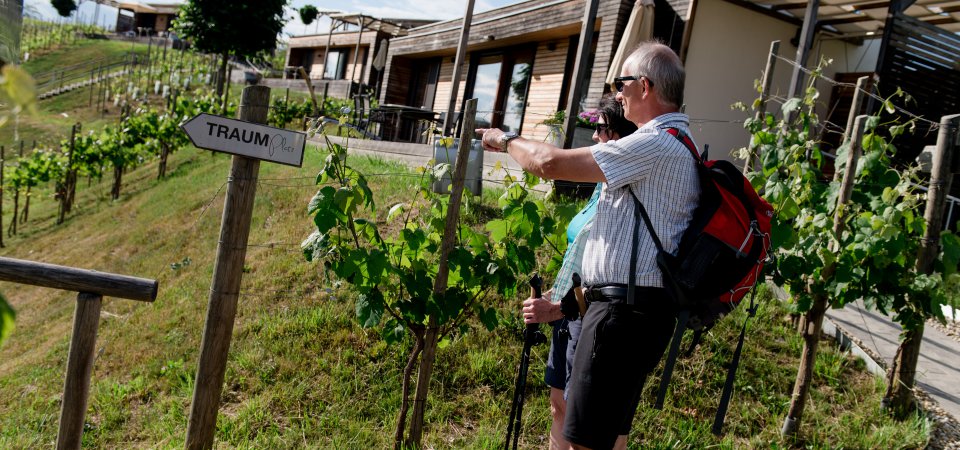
pixel 228 271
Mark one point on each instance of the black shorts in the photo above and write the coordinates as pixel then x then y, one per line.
pixel 619 346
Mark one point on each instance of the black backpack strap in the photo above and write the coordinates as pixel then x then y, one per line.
pixel 684 314
pixel 682 319
pixel 732 372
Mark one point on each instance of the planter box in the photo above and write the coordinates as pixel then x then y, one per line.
pixel 582 137
pixel 474 175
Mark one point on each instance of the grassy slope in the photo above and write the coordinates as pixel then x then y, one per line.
pixel 301 373
pixel 57 114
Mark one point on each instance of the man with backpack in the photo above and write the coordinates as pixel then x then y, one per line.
pixel 631 316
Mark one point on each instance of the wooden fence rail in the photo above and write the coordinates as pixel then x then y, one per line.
pixel 92 286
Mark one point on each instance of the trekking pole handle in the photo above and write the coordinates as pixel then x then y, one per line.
pixel 536 284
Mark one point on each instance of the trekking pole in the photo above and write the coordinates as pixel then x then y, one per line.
pixel 531 336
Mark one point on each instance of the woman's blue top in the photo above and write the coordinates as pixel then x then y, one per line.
pixel 584 216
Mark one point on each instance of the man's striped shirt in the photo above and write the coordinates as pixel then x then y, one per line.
pixel 662 173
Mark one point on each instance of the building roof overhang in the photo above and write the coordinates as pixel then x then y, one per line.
pixel 859 17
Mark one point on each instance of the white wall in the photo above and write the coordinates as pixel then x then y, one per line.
pixel 728 52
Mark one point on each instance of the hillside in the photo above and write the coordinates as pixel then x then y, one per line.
pixel 303 374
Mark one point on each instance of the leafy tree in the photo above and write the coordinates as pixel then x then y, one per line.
pixel 397 277
pixel 243 28
pixel 64 7
pixel 308 14
pixel 830 254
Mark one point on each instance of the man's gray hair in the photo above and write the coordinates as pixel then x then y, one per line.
pixel 662 67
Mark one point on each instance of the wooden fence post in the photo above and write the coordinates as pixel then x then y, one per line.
pixel 76 386
pixel 762 107
pixel 228 272
pixel 3 157
pixel 90 101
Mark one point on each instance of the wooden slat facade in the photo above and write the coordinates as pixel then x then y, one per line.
pixel 301 49
pixel 546 25
pixel 924 61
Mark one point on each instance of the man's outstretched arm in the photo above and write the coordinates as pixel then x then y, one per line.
pixel 545 160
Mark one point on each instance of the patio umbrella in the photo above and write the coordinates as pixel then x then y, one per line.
pixel 380 60
pixel 639 28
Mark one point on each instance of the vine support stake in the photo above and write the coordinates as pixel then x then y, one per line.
pixel 902 375
pixel 812 321
pixel 227 275
pixel 431 336
pixel 766 84
pixel 3 157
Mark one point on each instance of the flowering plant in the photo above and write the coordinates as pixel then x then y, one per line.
pixel 588 118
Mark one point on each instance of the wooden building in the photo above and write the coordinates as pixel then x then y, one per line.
pixel 155 15
pixel 349 68
pixel 520 62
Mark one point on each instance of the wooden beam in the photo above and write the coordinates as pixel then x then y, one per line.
pixel 579 70
pixel 841 21
pixel 77 280
pixel 448 121
pixel 786 6
pixel 767 12
pixel 803 50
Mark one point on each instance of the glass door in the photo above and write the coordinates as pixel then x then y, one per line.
pixel 515 102
pixel 500 81
pixel 486 84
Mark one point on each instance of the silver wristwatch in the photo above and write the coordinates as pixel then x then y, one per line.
pixel 505 138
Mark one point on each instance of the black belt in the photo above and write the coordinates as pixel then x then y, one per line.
pixel 647 298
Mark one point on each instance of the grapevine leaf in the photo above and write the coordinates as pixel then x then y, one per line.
pixel 488 317
pixel 370 308
pixel 950 244
pixel 497 229
pixel 7 314
pixel 791 106
pixel 395 210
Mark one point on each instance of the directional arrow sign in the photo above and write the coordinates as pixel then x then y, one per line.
pixel 253 140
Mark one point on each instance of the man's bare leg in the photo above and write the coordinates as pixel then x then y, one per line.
pixel 621 444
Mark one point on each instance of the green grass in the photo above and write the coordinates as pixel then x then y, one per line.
pixel 301 373
pixel 57 114
pixel 81 52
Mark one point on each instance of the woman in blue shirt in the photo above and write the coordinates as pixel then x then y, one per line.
pixel 611 125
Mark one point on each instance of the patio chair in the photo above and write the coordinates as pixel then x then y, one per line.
pixel 455 125
pixel 379 117
pixel 361 105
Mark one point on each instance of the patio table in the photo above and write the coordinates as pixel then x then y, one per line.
pixel 403 119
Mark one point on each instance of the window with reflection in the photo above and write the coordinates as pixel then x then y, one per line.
pixel 500 81
pixel 336 65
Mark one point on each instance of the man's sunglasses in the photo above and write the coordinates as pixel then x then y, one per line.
pixel 618 81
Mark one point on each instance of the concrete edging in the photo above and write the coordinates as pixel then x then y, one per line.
pixel 845 341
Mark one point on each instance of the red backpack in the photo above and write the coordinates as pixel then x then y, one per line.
pixel 719 260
